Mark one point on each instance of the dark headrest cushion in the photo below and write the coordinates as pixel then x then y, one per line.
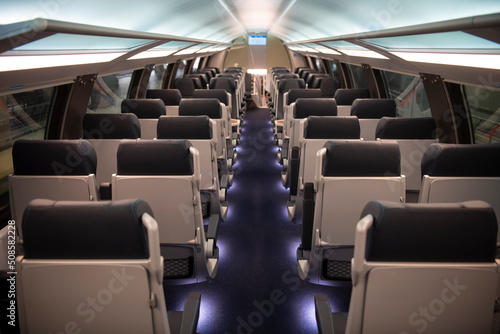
pixel 373 108
pixel 406 128
pixel 461 160
pixel 361 159
pixel 170 97
pixel 144 108
pixel 184 127
pixel 449 232
pixel 315 107
pixel 223 83
pixel 295 93
pixel 85 230
pixel 286 84
pixel 195 107
pixel 345 97
pixel 320 127
pixel 111 126
pixel 219 94
pixel 53 157
pixel 154 157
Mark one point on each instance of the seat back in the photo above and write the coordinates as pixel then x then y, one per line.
pixel 305 107
pixel 283 86
pixel 104 132
pixel 415 256
pixel 356 172
pixel 456 173
pixel 187 85
pixel 317 131
pixel 288 107
pixel 210 107
pixel 198 130
pixel 170 97
pixel 414 136
pixel 229 84
pixel 53 169
pixel 369 111
pixel 225 100
pixel 148 111
pixel 166 174
pixel 110 277
pixel 345 96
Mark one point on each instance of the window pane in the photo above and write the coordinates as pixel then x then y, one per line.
pixel 108 93
pixel 156 77
pixel 24 116
pixel 409 93
pixel 196 64
pixel 357 76
pixel 484 108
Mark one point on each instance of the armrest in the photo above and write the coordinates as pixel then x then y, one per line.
pixel 293 167
pixel 284 148
pixel 191 314
pixel 307 216
pixel 323 315
pixel 213 228
pixel 105 191
pixel 224 182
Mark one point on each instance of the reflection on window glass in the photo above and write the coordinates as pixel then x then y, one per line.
pixel 335 70
pixel 180 70
pixel 24 116
pixel 357 76
pixel 196 64
pixel 156 77
pixel 108 93
pixel 484 108
pixel 409 93
pixel 319 64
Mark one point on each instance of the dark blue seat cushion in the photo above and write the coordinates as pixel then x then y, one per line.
pixel 184 127
pixel 111 126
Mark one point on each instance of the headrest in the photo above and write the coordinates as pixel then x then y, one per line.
pixel 235 68
pixel 373 108
pixel 144 108
pixel 187 86
pixel 111 126
pixel 154 157
pixel 219 94
pixel 53 157
pixel 85 229
pixel 358 158
pixel 315 107
pixel 184 127
pixel 462 160
pixel 228 75
pixel 328 85
pixel 313 76
pixel 170 97
pixel 287 75
pixel 338 127
pixel 214 69
pixel 444 232
pixel 406 128
pixel 223 83
pixel 345 97
pixel 200 76
pixel 296 93
pixel 195 107
pixel 286 84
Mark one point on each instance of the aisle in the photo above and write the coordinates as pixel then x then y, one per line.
pixel 257 288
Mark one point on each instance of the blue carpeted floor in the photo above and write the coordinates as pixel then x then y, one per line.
pixel 257 288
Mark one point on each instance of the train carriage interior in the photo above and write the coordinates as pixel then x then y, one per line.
pixel 230 166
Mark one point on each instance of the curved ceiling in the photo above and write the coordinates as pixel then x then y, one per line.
pixel 225 20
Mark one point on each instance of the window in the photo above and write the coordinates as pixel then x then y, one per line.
pixel 484 108
pixel 408 92
pixel 108 93
pixel 196 64
pixel 156 77
pixel 180 70
pixel 24 116
pixel 357 76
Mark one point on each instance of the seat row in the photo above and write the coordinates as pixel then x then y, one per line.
pixel 349 174
pixel 411 271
